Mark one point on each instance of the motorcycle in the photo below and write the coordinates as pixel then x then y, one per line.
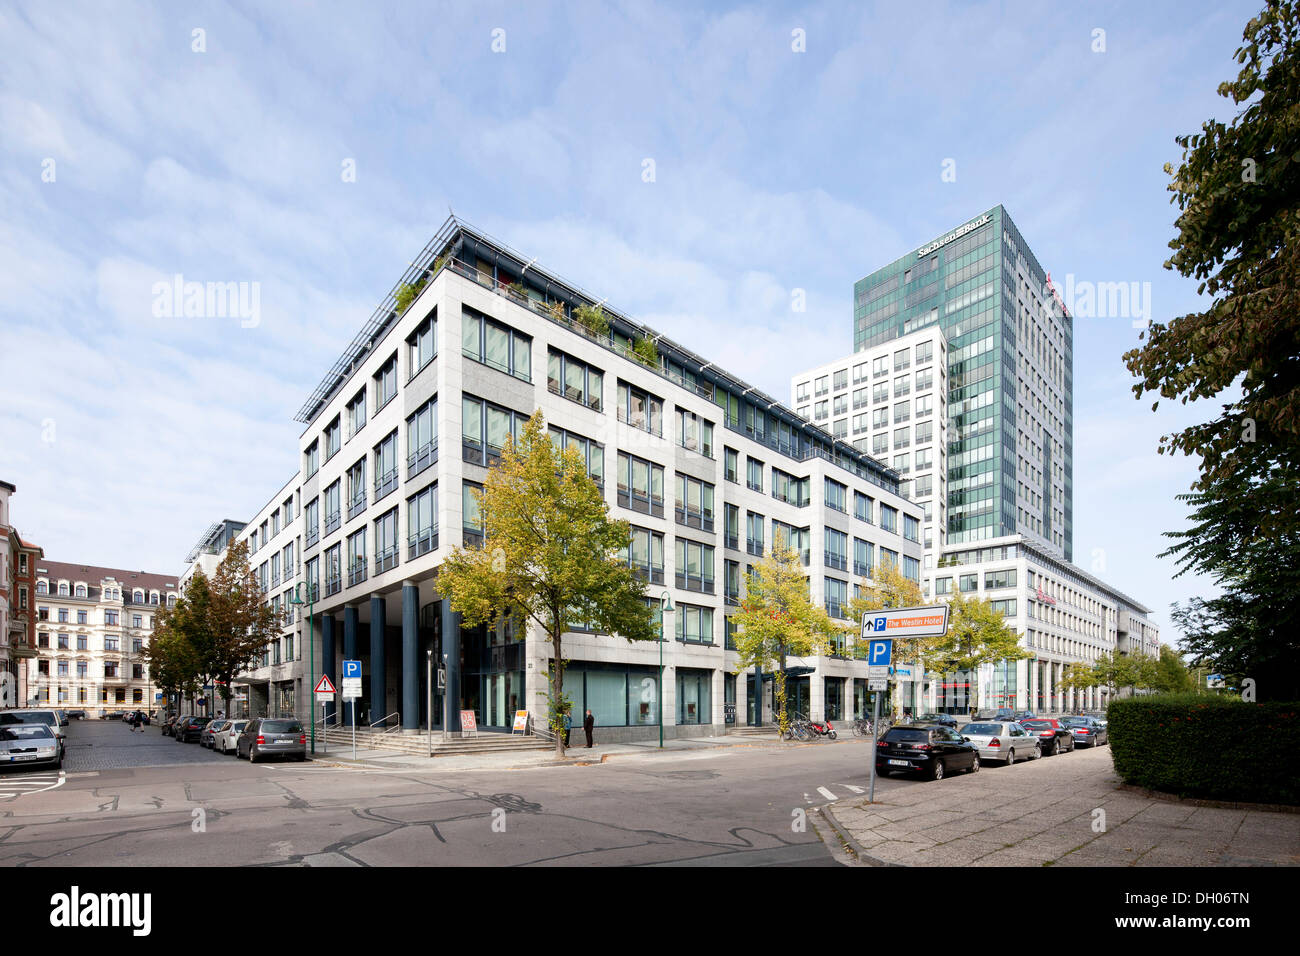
pixel 822 729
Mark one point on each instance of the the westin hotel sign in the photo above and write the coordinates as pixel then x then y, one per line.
pixel 955 234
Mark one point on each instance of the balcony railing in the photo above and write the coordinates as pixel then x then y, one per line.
pixel 357 573
pixel 573 394
pixel 694 582
pixel 837 561
pixel 275 579
pixel 694 519
pixel 834 608
pixel 754 546
pixel 356 505
pixel 731 541
pixel 643 422
pixel 386 560
pixel 634 501
pixel 385 484
pixel 313 535
pixel 421 543
pixel 421 459
pixel 861 569
pixel 332 522
pixel 733 596
pixel 333 584
pixel 648 573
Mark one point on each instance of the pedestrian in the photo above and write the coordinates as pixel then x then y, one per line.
pixel 568 727
pixel 588 725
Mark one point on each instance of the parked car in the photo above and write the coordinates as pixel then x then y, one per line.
pixel 272 736
pixel 189 729
pixel 226 740
pixel 1002 740
pixel 169 725
pixel 76 715
pixel 947 720
pixel 931 749
pixel 1053 736
pixel 33 715
pixel 1086 730
pixel 35 743
pixel 207 737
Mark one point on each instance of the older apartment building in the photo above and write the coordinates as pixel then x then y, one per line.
pixel 706 468
pixel 92 626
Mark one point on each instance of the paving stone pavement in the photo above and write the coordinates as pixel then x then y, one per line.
pixel 1043 813
pixel 111 745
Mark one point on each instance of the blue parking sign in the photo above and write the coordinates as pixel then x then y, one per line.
pixel 351 669
pixel 879 652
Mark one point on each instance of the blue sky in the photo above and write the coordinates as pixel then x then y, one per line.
pixel 774 170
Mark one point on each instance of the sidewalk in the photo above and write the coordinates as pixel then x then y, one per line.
pixel 1043 813
pixel 577 755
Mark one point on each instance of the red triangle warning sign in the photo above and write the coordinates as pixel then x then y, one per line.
pixel 323 686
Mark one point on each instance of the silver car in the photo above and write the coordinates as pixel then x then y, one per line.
pixel 1002 740
pixel 226 740
pixel 32 715
pixel 272 737
pixel 29 744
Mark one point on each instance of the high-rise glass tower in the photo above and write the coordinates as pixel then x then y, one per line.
pixel 1010 402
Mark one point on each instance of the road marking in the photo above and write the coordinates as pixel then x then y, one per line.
pixel 853 788
pixel 37 783
pixel 826 793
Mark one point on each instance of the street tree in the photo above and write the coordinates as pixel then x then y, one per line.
pixel 889 588
pixel 551 556
pixel 1079 676
pixel 241 623
pixel 778 620
pixel 977 634
pixel 173 664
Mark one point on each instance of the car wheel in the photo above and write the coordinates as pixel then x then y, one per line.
pixel 1011 756
pixel 975 764
pixel 936 772
pixel 1055 747
pixel 251 758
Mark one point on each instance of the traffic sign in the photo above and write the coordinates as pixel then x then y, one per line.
pixel 324 686
pixel 906 622
pixel 878 672
pixel 880 652
pixel 324 696
pixel 351 688
pixel 351 669
pixel 873 684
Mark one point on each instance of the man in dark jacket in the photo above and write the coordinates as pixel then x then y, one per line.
pixel 588 725
pixel 568 728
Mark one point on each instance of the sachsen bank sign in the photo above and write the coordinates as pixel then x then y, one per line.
pixel 955 234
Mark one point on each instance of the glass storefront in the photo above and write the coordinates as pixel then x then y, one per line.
pixel 694 696
pixel 834 688
pixel 619 695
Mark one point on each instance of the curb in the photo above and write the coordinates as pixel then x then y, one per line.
pixel 1207 802
pixel 853 846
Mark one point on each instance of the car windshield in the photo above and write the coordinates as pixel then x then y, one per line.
pixel 25 732
pixel 281 727
pixel 993 729
pixel 1037 724
pixel 1075 721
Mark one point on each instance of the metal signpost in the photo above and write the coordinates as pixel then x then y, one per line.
pixel 446 698
pixel 428 682
pixel 351 693
pixel 879 628
pixel 324 694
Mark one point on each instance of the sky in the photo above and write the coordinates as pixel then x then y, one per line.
pixel 704 167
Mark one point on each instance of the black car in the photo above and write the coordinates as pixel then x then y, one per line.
pixel 931 749
pixel 76 715
pixel 190 729
pixel 1053 736
pixel 947 720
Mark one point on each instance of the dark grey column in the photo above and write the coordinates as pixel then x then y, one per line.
pixel 451 647
pixel 758 696
pixel 327 661
pixel 350 625
pixel 378 685
pixel 410 657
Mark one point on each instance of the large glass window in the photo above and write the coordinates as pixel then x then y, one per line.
pixel 591 453
pixel 789 489
pixel 574 379
pixel 485 428
pixel 862 557
pixel 797 539
pixel 640 485
pixel 333 439
pixel 694 624
pixel 837 549
pixel 422 522
pixel 694 696
pixel 694 503
pixel 640 409
pixel 356 488
pixel 422 438
pixel 836 496
pixel 754 533
pixel 472 515
pixel 694 565
pixel 645 555
pixel 356 413
pixel 494 344
pixel 386 546
pixel 386 383
pixel 386 465
pixel 694 433
pixel 422 344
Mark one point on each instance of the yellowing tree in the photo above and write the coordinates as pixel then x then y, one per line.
pixel 778 620
pixel 551 555
pixel 890 588
pixel 977 634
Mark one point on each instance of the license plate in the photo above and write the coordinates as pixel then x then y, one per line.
pixel 285 740
pixel 899 763
pixel 24 756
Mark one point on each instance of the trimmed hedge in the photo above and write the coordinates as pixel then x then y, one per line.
pixel 1197 745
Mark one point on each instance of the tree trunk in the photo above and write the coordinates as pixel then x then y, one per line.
pixel 782 717
pixel 557 689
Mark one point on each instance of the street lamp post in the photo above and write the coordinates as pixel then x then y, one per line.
pixel 311 650
pixel 665 607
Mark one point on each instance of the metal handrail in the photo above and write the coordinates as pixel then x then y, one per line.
pixel 388 730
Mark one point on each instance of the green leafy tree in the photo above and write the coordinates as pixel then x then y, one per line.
pixel 1171 673
pixel 592 318
pixel 169 654
pixel 1238 194
pixel 241 623
pixel 552 556
pixel 977 634
pixel 777 620
pixel 1079 676
pixel 889 588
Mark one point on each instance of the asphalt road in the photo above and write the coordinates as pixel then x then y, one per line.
pixel 152 801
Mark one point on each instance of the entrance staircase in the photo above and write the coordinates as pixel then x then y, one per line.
pixel 339 740
pixel 767 730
